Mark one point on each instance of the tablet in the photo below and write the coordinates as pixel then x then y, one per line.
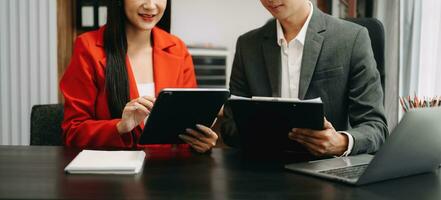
pixel 264 123
pixel 178 109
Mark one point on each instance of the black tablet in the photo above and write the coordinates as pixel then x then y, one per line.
pixel 178 109
pixel 264 123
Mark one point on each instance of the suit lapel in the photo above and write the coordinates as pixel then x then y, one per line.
pixel 166 66
pixel 311 51
pixel 165 69
pixel 271 53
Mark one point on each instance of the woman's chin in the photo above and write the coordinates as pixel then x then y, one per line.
pixel 145 26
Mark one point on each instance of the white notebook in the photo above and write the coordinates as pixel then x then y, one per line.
pixel 106 162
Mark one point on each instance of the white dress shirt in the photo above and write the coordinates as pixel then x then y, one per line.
pixel 291 62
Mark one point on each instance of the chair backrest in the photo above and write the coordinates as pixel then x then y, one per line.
pixel 376 33
pixel 46 124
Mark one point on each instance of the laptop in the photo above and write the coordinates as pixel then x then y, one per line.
pixel 413 147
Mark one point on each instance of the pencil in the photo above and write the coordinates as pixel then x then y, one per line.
pixel 402 105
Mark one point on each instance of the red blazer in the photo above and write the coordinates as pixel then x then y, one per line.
pixel 87 122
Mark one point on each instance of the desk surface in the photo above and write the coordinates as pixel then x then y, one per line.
pixel 37 173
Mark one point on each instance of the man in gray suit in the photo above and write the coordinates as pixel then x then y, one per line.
pixel 304 53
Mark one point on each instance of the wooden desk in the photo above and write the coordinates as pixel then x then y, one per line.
pixel 30 172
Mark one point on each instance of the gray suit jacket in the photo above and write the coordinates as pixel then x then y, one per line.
pixel 337 65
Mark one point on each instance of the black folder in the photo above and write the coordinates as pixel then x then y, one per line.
pixel 263 124
pixel 178 109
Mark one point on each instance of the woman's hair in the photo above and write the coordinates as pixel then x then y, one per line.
pixel 115 46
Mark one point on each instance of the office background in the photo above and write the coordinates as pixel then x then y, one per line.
pixel 28 64
pixel 33 55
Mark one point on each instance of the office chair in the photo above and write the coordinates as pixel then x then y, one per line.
pixel 46 124
pixel 376 33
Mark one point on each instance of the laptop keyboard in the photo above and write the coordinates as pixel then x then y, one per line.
pixel 346 172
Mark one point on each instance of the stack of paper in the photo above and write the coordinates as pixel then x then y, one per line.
pixel 106 162
pixel 294 100
pixel 278 99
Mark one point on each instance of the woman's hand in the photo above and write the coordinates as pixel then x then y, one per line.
pixel 134 112
pixel 201 140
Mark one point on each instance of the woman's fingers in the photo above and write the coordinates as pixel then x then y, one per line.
pixel 201 137
pixel 149 98
pixel 141 108
pixel 134 112
pixel 195 143
pixel 208 132
pixel 146 101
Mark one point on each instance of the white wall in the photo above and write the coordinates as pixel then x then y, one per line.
pixel 217 22
pixel 429 65
pixel 28 69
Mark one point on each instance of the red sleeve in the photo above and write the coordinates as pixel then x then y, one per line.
pixel 78 85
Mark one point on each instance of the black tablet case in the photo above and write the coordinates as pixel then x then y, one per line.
pixel 174 111
pixel 263 125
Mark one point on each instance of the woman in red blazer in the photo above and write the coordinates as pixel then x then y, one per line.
pixel 114 74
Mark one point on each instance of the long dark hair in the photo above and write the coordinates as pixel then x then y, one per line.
pixel 115 46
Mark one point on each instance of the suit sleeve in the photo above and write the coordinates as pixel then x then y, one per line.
pixel 366 110
pixel 238 87
pixel 78 85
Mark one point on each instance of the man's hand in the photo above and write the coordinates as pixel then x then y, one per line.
pixel 326 142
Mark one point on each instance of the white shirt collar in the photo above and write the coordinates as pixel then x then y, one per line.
pixel 301 35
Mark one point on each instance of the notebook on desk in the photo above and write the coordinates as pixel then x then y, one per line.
pixel 106 162
pixel 413 147
pixel 266 122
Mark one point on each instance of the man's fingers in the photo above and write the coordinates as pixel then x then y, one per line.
pixel 313 148
pixel 307 132
pixel 328 124
pixel 305 138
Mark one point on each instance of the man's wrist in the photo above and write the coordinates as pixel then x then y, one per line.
pixel 349 143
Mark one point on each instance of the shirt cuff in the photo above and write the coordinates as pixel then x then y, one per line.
pixel 350 143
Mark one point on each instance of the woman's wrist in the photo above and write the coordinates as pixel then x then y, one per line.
pixel 121 128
